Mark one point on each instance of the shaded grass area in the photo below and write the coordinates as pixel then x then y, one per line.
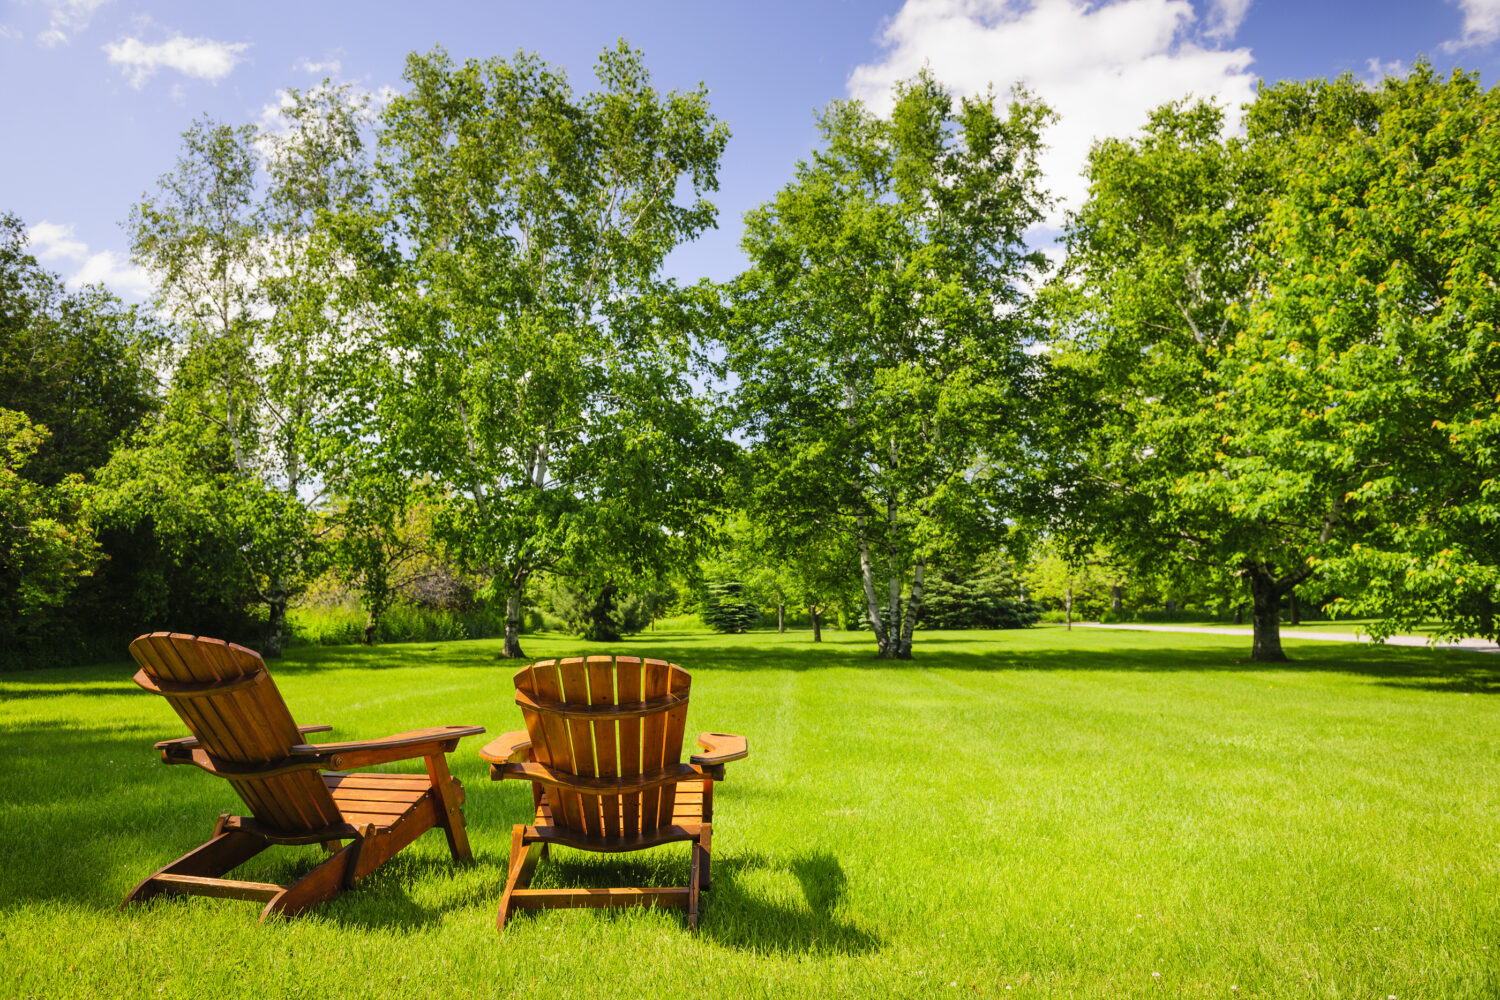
pixel 1084 814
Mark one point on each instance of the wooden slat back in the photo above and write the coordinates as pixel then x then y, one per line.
pixel 249 724
pixel 602 745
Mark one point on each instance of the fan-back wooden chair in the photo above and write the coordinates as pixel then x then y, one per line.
pixel 602 749
pixel 243 731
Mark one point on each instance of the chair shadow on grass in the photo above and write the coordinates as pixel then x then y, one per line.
pixel 736 916
pixel 732 913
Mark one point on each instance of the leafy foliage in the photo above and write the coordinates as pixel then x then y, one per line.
pixel 880 334
pixel 541 364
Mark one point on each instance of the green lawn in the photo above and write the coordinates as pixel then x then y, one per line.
pixel 1027 814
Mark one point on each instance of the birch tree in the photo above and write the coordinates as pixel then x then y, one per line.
pixel 541 373
pixel 881 334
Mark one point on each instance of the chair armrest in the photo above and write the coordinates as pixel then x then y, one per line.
pixel 179 751
pixel 512 748
pixel 720 748
pixel 402 746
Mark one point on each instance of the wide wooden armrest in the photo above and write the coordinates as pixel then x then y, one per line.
pixel 180 747
pixel 720 748
pixel 512 748
pixel 401 746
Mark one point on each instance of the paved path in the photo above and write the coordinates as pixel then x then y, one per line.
pixel 1469 645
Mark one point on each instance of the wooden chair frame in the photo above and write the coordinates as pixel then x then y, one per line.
pixel 593 791
pixel 225 695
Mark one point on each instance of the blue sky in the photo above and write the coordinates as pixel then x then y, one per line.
pixel 99 91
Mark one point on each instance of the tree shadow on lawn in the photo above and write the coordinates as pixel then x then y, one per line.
pixel 1440 670
pixel 1452 671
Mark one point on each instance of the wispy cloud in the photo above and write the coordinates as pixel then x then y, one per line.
pixel 56 246
pixel 1481 24
pixel 1225 17
pixel 1378 69
pixel 328 67
pixel 202 58
pixel 68 17
pixel 1100 65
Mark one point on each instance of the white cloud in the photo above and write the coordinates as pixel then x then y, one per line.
pixel 1378 69
pixel 328 67
pixel 1481 24
pixel 203 58
pixel 9 32
pixel 68 17
pixel 53 242
pixel 50 241
pixel 1101 66
pixel 116 272
pixel 1225 17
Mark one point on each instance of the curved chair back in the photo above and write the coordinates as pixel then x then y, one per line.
pixel 226 697
pixel 606 717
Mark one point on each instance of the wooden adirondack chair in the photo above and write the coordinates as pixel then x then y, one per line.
pixel 602 750
pixel 242 731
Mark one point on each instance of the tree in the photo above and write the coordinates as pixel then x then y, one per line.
pixel 1170 418
pixel 78 363
pixel 249 275
pixel 75 377
pixel 1375 346
pixel 46 545
pixel 542 362
pixel 880 334
pixel 977 593
pixel 727 607
pixel 1077 582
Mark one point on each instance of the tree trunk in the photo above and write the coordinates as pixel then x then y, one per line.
pixel 1265 616
pixel 1068 609
pixel 867 579
pixel 1486 616
pixel 913 609
pixel 1171 607
pixel 1293 609
pixel 1239 614
pixel 781 618
pixel 817 626
pixel 275 624
pixel 371 624
pixel 1116 601
pixel 512 649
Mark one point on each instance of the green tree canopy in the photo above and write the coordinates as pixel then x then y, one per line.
pixel 540 363
pixel 881 334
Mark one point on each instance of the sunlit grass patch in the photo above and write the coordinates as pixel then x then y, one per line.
pixel 1079 814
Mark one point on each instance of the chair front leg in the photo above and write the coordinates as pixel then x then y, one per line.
pixel 450 797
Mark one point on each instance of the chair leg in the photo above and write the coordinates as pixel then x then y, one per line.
pixel 705 844
pixel 223 853
pixel 695 875
pixel 450 796
pixel 320 885
pixel 523 859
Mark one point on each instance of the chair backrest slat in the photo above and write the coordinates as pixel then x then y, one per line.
pixel 242 724
pixel 574 674
pixel 557 744
pixel 602 692
pixel 641 738
pixel 676 722
pixel 628 682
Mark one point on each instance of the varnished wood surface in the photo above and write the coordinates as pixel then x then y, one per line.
pixel 603 750
pixel 243 731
